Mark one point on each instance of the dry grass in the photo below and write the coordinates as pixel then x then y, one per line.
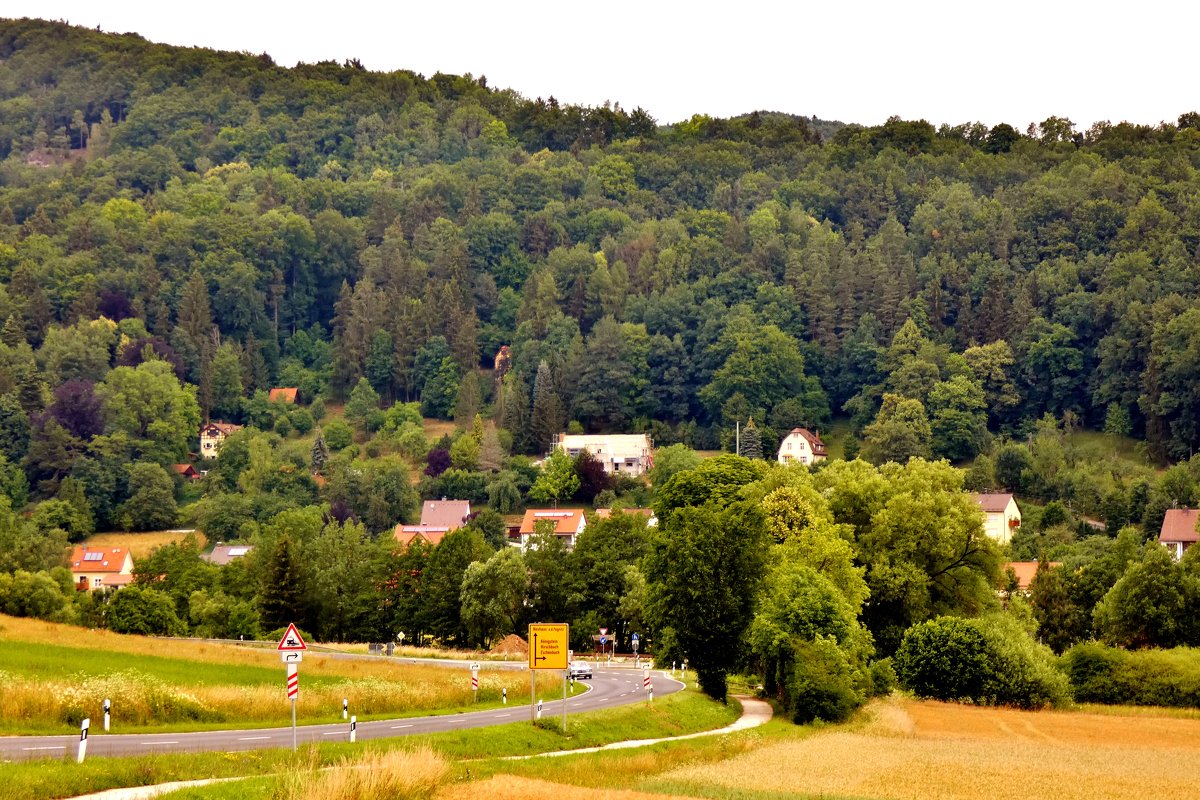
pixel 142 544
pixel 508 787
pixel 394 774
pixel 935 750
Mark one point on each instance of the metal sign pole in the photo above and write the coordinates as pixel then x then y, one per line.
pixel 532 699
pixel 564 701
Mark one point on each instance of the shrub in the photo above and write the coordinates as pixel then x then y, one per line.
pixel 990 661
pixel 1101 674
pixel 338 435
pixel 823 683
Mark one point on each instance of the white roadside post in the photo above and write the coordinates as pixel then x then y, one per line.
pixel 474 681
pixel 504 695
pixel 107 709
pixel 353 728
pixel 345 707
pixel 83 732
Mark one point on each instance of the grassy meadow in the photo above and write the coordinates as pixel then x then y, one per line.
pixel 141 545
pixel 54 675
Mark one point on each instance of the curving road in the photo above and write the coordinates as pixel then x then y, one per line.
pixel 610 687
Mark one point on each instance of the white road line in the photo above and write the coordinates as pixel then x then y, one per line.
pixel 395 727
pixel 158 743
pixel 49 747
pixel 503 715
pixel 253 738
pixel 334 733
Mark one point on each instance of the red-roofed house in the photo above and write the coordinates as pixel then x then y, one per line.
pixel 1025 570
pixel 283 395
pixel 1178 531
pixel 438 517
pixel 801 446
pixel 186 471
pixel 98 567
pixel 568 524
pixel 212 434
pixel 1002 515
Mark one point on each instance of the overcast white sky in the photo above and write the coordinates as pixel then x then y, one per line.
pixel 858 61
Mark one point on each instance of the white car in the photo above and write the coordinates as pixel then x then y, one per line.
pixel 580 670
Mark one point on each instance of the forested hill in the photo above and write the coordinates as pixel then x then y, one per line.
pixel 260 226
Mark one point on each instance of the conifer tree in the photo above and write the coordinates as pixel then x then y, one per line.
pixel 320 452
pixel 516 412
pixel 548 418
pixel 751 441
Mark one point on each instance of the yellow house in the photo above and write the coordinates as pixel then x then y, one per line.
pixel 101 567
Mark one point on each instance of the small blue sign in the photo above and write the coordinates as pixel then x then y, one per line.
pixel 634 638
pixel 603 640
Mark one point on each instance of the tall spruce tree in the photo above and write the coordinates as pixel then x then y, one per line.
pixel 548 418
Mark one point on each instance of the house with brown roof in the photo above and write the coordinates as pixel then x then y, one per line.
pixel 223 553
pixel 801 446
pixel 1178 531
pixel 101 567
pixel 186 471
pixel 1001 514
pixel 285 394
pixel 568 524
pixel 438 517
pixel 213 434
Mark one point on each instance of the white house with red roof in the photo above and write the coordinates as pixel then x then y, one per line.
pixel 568 524
pixel 1001 515
pixel 213 435
pixel 801 446
pixel 1178 531
pixel 101 567
pixel 438 517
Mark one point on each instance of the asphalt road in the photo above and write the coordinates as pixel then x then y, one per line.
pixel 610 687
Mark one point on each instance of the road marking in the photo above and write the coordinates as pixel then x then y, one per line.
pixel 504 715
pixel 253 738
pixel 334 733
pixel 396 727
pixel 159 743
pixel 49 747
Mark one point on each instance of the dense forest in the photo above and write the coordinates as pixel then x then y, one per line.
pixel 182 230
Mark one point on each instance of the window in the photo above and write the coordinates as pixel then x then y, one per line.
pixel 97 582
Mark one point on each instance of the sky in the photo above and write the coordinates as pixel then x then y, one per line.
pixel 946 61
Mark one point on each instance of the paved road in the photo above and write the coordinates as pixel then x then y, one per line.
pixel 611 687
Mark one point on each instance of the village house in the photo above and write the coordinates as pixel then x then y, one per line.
pixel 620 453
pixel 438 517
pixel 186 471
pixel 286 394
pixel 223 553
pixel 101 567
pixel 1024 571
pixel 568 524
pixel 1178 531
pixel 213 435
pixel 801 446
pixel 1002 516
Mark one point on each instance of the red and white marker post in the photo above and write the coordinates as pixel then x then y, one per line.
pixel 291 651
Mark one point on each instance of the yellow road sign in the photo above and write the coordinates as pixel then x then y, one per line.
pixel 548 645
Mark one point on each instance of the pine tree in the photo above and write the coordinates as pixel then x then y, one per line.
pixel 548 418
pixel 516 412
pixel 751 441
pixel 320 453
pixel 466 404
pixel 282 599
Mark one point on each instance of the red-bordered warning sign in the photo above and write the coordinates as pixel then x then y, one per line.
pixel 292 640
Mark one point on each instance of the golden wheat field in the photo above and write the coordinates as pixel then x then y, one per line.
pixel 950 752
pixel 142 544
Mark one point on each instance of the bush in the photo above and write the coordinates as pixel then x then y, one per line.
pixel 823 683
pixel 991 661
pixel 1101 674
pixel 338 435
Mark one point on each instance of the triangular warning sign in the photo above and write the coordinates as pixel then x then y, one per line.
pixel 292 640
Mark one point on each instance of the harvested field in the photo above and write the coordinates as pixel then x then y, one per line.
pixel 508 787
pixel 936 750
pixel 141 545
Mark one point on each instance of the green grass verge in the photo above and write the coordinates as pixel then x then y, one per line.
pixel 683 712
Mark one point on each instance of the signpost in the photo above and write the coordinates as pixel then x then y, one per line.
pixel 107 709
pixel 475 681
pixel 83 732
pixel 291 649
pixel 549 644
